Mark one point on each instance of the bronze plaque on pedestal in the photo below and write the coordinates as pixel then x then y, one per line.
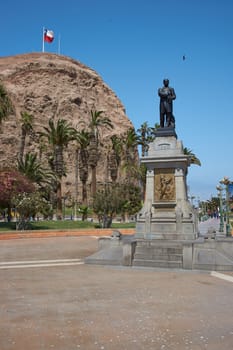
pixel 164 186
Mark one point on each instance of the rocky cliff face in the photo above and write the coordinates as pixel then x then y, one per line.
pixel 49 85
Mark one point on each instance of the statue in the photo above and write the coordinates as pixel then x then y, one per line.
pixel 167 95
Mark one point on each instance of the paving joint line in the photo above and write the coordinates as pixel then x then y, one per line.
pixel 222 276
pixel 40 263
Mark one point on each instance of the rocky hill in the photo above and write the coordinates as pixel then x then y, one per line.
pixel 49 85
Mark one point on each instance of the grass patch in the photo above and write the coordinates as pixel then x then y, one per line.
pixel 124 225
pixel 61 225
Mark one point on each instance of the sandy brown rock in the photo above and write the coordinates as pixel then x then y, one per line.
pixel 50 85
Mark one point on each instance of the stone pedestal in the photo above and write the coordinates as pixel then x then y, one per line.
pixel 167 213
pixel 166 228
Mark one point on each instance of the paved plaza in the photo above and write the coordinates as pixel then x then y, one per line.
pixel 51 300
pixel 212 223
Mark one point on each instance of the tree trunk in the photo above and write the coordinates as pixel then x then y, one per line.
pixel 59 163
pixel 83 173
pixel 59 200
pixel 76 183
pixel 93 161
pixel 84 193
pixel 113 167
pixel 22 145
pixel 93 181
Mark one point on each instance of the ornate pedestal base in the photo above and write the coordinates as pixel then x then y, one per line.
pixel 167 213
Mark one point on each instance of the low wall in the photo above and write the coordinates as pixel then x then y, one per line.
pixel 202 254
pixel 62 233
pixel 213 255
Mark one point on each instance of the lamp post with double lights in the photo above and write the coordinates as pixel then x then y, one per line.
pixel 221 227
pixel 225 181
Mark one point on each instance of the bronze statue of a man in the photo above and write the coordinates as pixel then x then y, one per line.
pixel 167 95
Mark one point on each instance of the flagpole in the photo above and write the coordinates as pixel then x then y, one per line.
pixel 59 44
pixel 43 41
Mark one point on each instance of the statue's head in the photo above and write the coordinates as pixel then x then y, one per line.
pixel 166 82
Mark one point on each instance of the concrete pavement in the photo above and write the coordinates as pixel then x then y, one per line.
pixel 54 305
pixel 211 223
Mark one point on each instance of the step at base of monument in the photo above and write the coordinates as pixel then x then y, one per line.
pixel 152 253
pixel 157 263
pixel 160 257
pixel 168 236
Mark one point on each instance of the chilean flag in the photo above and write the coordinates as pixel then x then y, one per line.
pixel 48 36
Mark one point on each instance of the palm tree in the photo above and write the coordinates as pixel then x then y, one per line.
pixel 130 155
pixel 33 169
pixel 114 156
pixel 154 129
pixel 26 128
pixel 97 122
pixel 144 137
pixel 58 136
pixel 142 179
pixel 193 158
pixel 6 106
pixel 83 139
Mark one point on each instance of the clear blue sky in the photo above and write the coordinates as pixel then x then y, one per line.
pixel 133 45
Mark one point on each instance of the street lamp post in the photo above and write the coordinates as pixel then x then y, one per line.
pixel 225 181
pixel 220 189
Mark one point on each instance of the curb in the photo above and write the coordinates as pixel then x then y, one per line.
pixel 63 233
